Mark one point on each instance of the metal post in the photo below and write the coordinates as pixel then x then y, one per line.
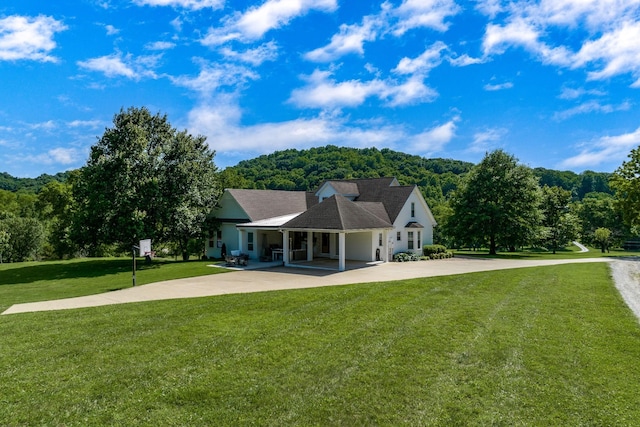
pixel 133 252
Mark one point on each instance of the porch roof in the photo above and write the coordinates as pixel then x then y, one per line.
pixel 275 222
pixel 339 213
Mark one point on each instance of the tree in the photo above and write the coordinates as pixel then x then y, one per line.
pixel 602 236
pixel 599 210
pixel 497 203
pixel 626 183
pixel 4 242
pixel 55 205
pixel 188 188
pixel 559 224
pixel 144 179
pixel 25 238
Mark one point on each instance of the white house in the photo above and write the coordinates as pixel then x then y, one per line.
pixel 356 219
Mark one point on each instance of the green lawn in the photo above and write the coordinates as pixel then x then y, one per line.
pixel 42 281
pixel 534 346
pixel 534 253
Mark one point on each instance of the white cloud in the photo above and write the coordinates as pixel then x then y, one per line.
pixel 499 86
pixel 64 156
pixel 618 50
pixel 160 45
pixel 491 8
pixel 609 31
pixel 412 91
pixel 111 30
pixel 591 107
pixel 465 60
pixel 118 65
pixel 433 140
pixel 323 92
pixel 49 125
pixel 607 149
pixel 519 32
pixel 350 39
pixel 213 76
pixel 220 121
pixel 486 140
pixel 93 124
pixel 257 21
pixel 55 156
pixel 424 14
pixel 424 63
pixel 23 37
pixel 571 93
pixel 185 4
pixel 265 52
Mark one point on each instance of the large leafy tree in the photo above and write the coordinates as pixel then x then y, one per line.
pixel 559 225
pixel 626 183
pixel 497 204
pixel 21 238
pixel 144 179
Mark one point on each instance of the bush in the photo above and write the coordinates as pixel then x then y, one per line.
pixel 405 256
pixel 430 250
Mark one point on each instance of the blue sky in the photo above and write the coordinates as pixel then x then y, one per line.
pixel 554 82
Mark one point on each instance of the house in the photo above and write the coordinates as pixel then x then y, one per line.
pixel 356 219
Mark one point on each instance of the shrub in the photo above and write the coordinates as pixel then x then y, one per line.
pixel 430 250
pixel 405 256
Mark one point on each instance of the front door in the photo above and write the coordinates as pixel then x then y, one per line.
pixel 325 243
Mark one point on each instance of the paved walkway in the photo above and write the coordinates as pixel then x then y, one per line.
pixel 280 278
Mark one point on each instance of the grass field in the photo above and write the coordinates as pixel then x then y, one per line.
pixel 42 281
pixel 535 346
pixel 536 253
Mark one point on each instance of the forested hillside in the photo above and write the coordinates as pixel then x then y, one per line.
pixel 305 169
pixel 30 185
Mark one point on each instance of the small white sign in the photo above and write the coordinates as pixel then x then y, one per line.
pixel 145 247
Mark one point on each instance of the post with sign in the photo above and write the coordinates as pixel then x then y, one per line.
pixel 133 253
pixel 144 250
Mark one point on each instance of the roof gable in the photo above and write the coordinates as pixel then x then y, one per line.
pixel 338 213
pixel 262 204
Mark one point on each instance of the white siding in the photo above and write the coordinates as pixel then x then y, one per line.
pixel 359 246
pixel 422 215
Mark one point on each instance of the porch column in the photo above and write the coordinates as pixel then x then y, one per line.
pixel 240 240
pixel 385 246
pixel 309 245
pixel 285 247
pixel 342 256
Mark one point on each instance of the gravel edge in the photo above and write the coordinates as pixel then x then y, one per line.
pixel 626 276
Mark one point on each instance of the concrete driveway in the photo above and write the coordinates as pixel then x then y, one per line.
pixel 280 278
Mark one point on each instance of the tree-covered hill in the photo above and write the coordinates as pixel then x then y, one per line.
pixel 29 185
pixel 306 169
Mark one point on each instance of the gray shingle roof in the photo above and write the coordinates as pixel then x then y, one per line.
pixel 262 204
pixel 393 197
pixel 339 213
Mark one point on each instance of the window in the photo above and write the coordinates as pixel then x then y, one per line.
pixel 413 210
pixel 211 244
pixel 250 241
pixel 410 239
pixel 399 236
pixel 380 239
pixel 419 240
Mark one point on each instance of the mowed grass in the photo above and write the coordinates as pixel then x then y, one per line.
pixel 42 281
pixel 534 346
pixel 570 252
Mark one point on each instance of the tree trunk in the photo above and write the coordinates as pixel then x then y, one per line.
pixel 492 245
pixel 185 256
